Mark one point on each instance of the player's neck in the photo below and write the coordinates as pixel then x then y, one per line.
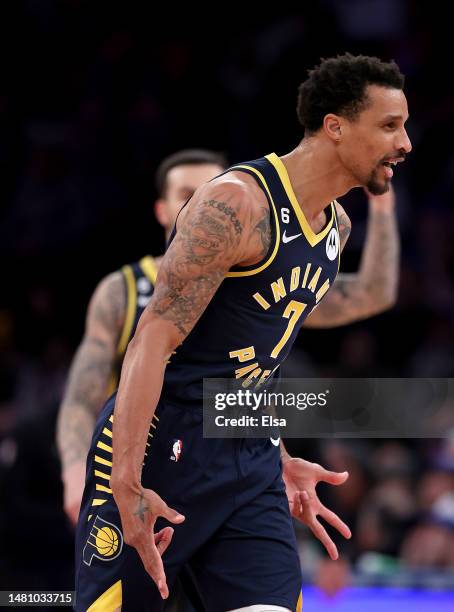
pixel 316 175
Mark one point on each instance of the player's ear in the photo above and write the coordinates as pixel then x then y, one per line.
pixel 332 125
pixel 161 212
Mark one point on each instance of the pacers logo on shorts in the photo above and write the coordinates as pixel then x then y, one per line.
pixel 105 542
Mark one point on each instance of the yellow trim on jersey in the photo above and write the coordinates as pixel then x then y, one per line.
pixel 130 309
pixel 278 233
pixel 109 601
pixel 103 446
pixel 299 605
pixel 102 475
pixel 150 268
pixel 98 502
pixel 311 236
pixel 103 461
pixel 103 488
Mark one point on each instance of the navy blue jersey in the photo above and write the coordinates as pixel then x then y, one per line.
pixel 140 278
pixel 250 325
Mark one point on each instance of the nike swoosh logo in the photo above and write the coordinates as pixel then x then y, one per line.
pixel 275 441
pixel 286 238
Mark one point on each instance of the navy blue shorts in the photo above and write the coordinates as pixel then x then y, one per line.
pixel 237 542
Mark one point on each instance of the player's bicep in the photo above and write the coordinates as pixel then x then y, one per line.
pixel 107 311
pixel 209 242
pixel 94 359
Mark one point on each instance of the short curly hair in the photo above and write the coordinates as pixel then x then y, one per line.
pixel 337 85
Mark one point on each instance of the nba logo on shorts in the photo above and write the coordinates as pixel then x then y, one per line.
pixel 177 447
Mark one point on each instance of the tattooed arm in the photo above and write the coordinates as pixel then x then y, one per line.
pixel 214 233
pixel 87 386
pixel 373 288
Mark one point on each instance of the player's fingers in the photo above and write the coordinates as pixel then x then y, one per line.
pixel 305 502
pixel 170 514
pixel 336 522
pixel 153 565
pixel 163 538
pixel 301 508
pixel 159 508
pixel 334 478
pixel 320 533
pixel 295 506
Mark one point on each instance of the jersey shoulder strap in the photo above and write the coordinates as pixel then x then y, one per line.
pixel 139 278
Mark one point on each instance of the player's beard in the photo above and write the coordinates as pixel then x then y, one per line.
pixel 374 185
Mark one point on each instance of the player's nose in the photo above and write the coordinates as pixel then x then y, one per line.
pixel 404 142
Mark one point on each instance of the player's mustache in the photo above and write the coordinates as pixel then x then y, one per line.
pixel 400 154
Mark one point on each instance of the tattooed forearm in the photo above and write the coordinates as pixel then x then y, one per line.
pixel 142 507
pixel 194 266
pixel 86 390
pixel 379 270
pixel 90 371
pixel 374 288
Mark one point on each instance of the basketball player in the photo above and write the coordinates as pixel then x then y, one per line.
pixel 96 367
pixel 254 252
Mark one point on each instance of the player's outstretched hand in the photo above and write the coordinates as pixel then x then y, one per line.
pixel 139 510
pixel 301 477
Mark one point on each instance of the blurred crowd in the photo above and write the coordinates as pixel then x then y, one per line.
pixel 91 99
pixel 399 503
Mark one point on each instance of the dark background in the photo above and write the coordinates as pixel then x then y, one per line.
pixel 92 96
